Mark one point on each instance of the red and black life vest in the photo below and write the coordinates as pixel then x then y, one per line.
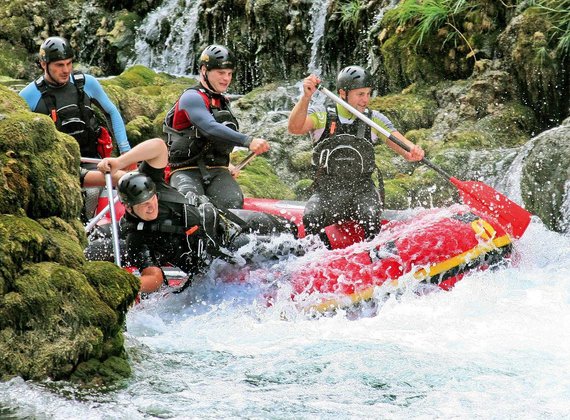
pixel 187 145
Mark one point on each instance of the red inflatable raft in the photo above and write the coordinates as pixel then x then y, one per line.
pixel 435 246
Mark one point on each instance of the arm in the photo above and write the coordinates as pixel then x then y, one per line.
pixel 193 104
pixel 95 91
pixel 31 95
pixel 152 278
pixel 153 151
pixel 416 153
pixel 299 122
pixel 97 179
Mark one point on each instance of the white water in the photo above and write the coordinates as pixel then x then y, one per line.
pixel 175 54
pixel 496 346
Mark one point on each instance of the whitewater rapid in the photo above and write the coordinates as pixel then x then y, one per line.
pixel 496 346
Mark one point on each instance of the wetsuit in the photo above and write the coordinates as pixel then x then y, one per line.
pixel 202 133
pixel 346 192
pixel 164 241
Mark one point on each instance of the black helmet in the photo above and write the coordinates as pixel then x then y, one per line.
pixel 353 77
pixel 55 49
pixel 217 57
pixel 135 188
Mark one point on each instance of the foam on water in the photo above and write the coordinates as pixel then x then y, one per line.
pixel 495 346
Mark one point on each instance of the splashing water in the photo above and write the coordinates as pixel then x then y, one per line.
pixel 494 346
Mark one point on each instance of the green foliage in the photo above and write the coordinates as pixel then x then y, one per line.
pixel 558 13
pixel 350 13
pixel 427 17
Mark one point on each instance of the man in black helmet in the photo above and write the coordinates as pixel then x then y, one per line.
pixel 202 133
pixel 161 226
pixel 67 97
pixel 343 154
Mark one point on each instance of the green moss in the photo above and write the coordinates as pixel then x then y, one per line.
pixel 407 111
pixel 139 75
pixel 303 189
pixel 258 179
pixel 140 129
pixel 301 161
pixel 14 60
pixel 116 287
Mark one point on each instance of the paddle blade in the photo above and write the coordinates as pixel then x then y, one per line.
pixel 512 217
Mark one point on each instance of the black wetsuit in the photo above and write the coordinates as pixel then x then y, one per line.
pixel 148 246
pixel 202 133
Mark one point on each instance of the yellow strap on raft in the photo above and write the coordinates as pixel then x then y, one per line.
pixel 481 228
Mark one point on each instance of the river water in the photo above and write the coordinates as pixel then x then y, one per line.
pixel 496 346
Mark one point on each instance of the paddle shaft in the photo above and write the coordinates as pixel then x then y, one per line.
pixel 93 222
pixel 382 130
pixel 114 228
pixel 245 161
pixel 90 160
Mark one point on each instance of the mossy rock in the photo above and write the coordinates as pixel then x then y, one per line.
pixel 301 161
pixel 407 111
pixel 52 319
pixel 40 165
pixel 14 60
pixel 303 189
pixel 545 178
pixel 117 288
pixel 141 128
pixel 138 75
pixel 23 239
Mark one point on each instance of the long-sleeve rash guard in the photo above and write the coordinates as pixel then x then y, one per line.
pixel 193 104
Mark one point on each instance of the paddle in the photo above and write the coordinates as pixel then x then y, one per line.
pixel 512 217
pixel 114 228
pixel 244 162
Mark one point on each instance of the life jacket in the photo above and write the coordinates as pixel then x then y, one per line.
pixel 70 109
pixel 187 145
pixel 344 153
pixel 207 228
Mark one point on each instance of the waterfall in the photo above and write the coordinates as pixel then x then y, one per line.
pixel 88 47
pixel 165 38
pixel 318 16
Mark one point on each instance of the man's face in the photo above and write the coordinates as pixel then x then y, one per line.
pixel 57 72
pixel 147 210
pixel 358 98
pixel 220 79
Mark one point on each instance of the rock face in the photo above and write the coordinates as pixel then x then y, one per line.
pixel 61 317
pixel 546 178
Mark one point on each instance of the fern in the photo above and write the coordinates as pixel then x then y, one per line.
pixel 557 12
pixel 428 16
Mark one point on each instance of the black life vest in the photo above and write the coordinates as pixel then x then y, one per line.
pixel 70 109
pixel 204 225
pixel 187 145
pixel 344 151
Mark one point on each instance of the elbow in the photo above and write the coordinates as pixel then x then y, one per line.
pixel 292 129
